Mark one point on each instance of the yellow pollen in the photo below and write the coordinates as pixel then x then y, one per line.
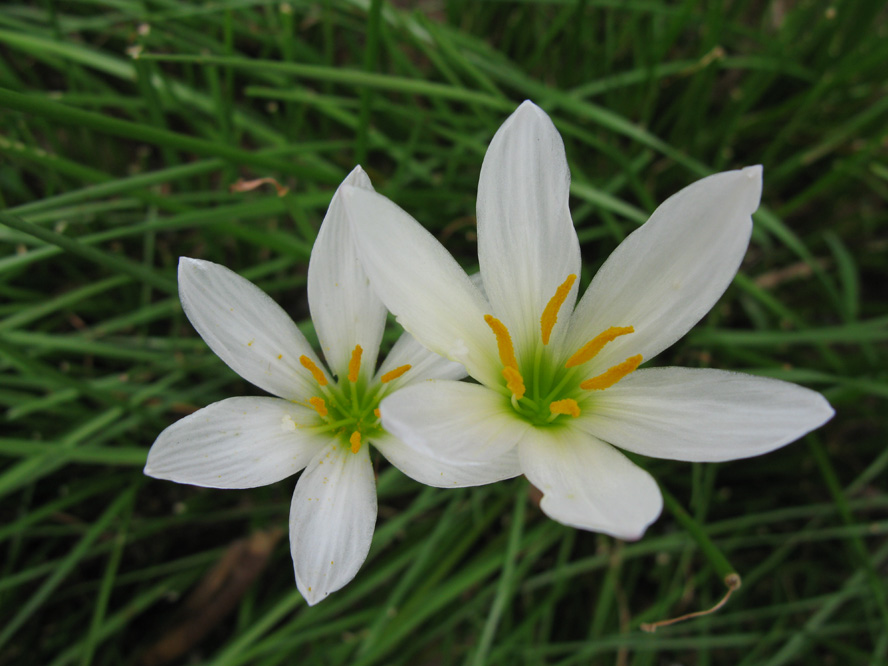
pixel 514 382
pixel 612 376
pixel 355 441
pixel 354 365
pixel 378 413
pixel 319 405
pixel 394 374
pixel 503 342
pixel 566 406
pixel 589 350
pixel 550 313
pixel 315 371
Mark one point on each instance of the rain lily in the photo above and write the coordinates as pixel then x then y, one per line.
pixel 324 418
pixel 560 384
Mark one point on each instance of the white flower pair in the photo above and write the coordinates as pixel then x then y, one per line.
pixel 557 384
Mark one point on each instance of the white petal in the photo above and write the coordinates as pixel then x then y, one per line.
pixel 446 474
pixel 235 443
pixel 332 518
pixel 589 484
pixel 453 421
pixel 346 312
pixel 422 285
pixel 527 245
pixel 423 363
pixel 246 329
pixel 670 272
pixel 478 281
pixel 703 415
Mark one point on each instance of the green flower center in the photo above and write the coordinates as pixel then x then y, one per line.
pixel 350 408
pixel 545 391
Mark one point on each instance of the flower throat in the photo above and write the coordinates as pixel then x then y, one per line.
pixel 349 408
pixel 556 390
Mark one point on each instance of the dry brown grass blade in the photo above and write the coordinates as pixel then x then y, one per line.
pixel 732 582
pixel 214 597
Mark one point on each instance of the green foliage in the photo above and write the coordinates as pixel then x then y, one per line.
pixel 124 123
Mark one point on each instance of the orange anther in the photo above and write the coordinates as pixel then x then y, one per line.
pixel 319 405
pixel 355 441
pixel 394 374
pixel 503 342
pixel 567 406
pixel 354 365
pixel 596 344
pixel 613 375
pixel 315 371
pixel 550 313
pixel 514 382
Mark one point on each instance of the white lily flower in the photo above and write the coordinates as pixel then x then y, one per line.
pixel 560 384
pixel 319 423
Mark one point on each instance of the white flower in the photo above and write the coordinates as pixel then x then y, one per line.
pixel 559 384
pixel 317 422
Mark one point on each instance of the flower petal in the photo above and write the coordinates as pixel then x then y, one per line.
pixel 446 474
pixel 670 272
pixel 527 245
pixel 422 285
pixel 235 443
pixel 703 415
pixel 332 518
pixel 423 363
pixel 589 484
pixel 453 421
pixel 345 310
pixel 246 328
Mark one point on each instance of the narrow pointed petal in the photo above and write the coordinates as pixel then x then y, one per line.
pixel 527 245
pixel 423 363
pixel 453 421
pixel 246 329
pixel 703 415
pixel 332 518
pixel 589 484
pixel 669 273
pixel 422 285
pixel 344 308
pixel 446 474
pixel 235 443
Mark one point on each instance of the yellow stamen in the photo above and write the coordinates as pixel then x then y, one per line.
pixel 612 376
pixel 354 365
pixel 514 382
pixel 355 441
pixel 378 413
pixel 566 406
pixel 394 374
pixel 589 350
pixel 315 371
pixel 319 405
pixel 503 342
pixel 550 313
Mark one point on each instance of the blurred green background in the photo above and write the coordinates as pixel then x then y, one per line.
pixel 123 126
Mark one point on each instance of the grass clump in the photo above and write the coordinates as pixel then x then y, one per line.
pixel 124 126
